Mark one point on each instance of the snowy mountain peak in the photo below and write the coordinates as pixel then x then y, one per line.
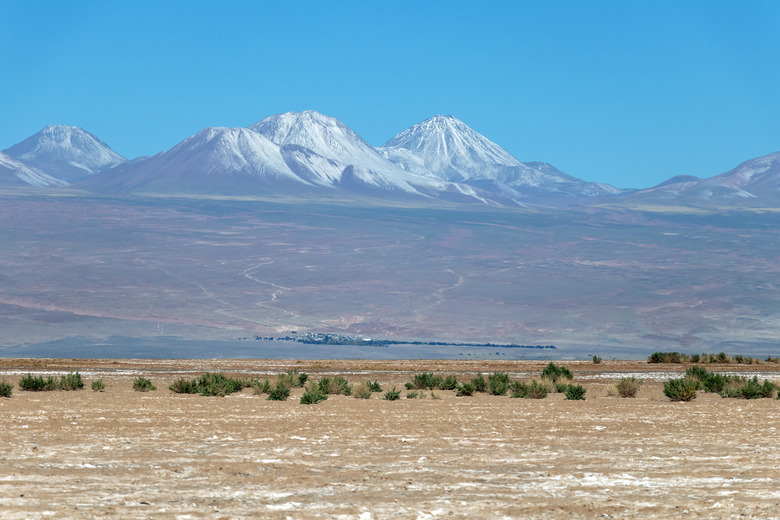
pixel 447 147
pixel 66 152
pixel 324 135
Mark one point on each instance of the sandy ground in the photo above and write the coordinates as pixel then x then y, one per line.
pixel 126 454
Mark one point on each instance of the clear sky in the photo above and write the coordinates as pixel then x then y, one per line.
pixel 624 92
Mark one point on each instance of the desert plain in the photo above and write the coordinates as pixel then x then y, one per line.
pixel 127 454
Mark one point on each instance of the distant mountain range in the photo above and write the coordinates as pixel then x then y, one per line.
pixel 308 153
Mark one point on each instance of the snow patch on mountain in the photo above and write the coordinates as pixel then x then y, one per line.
pixel 15 173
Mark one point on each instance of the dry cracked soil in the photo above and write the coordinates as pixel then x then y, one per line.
pixel 127 454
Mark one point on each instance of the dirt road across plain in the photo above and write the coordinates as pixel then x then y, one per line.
pixel 127 454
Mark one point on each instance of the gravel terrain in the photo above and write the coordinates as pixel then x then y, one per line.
pixel 127 454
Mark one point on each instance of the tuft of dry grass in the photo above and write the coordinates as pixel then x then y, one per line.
pixel 628 386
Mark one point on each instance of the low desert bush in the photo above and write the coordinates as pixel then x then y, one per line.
pixel 532 390
pixel 425 381
pixel 559 388
pixel 142 384
pixel 98 385
pixel 209 385
pixel 279 393
pixel 362 390
pixel 450 383
pixel 6 389
pixel 575 393
pixel 392 395
pixel 596 359
pixel 293 379
pixel 464 390
pixel 667 357
pixel 557 374
pixel 681 389
pixel 312 395
pixel 696 372
pixel 72 381
pixel 261 387
pixel 744 388
pixel 183 386
pixel 434 396
pixel 628 386
pixel 38 383
pixel 412 394
pixel 498 383
pixel 479 383
pixel 336 386
pixel 374 387
pixel 721 357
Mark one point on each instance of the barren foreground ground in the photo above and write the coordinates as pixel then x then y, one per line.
pixel 127 454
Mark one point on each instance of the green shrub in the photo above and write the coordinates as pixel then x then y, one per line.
pixel 362 390
pixel 450 383
pixel 293 379
pixel 722 357
pixel 575 393
pixel 261 387
pixel 425 381
pixel 183 386
pixel 681 389
pixel 596 359
pixel 280 393
pixel 6 389
pixel 479 383
pixel 518 389
pixel 537 390
pixel 744 388
pixel 561 388
pixel 556 373
pixel 98 385
pixel 342 386
pixel 695 358
pixel 464 389
pixel 141 384
pixel 533 390
pixel 336 386
pixel 412 394
pixel 374 387
pixel 312 395
pixel 38 384
pixel 667 357
pixel 697 372
pixel 715 383
pixel 71 381
pixel 210 385
pixel 392 395
pixel 498 382
pixel 628 386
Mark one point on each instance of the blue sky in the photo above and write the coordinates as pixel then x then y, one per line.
pixel 626 92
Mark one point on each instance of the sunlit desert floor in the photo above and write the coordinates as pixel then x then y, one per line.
pixel 127 454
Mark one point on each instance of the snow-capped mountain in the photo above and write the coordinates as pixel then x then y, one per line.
pixel 753 183
pixel 242 161
pixel 333 148
pixel 15 173
pixel 65 152
pixel 446 147
pixel 216 160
